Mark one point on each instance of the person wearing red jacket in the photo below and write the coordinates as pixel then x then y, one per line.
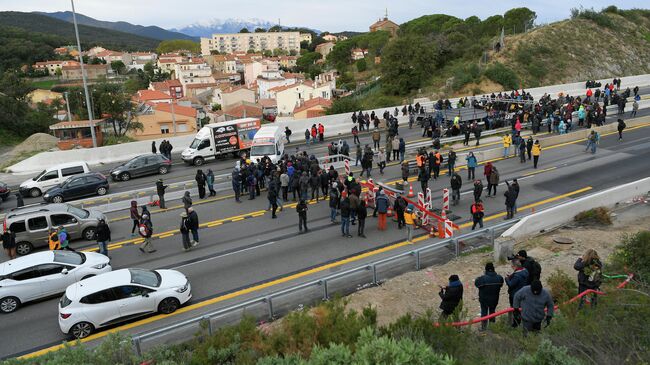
pixel 321 132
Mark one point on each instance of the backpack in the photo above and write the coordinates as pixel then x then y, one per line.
pixel 536 270
pixel 144 230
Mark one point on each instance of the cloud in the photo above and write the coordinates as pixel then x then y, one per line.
pixel 331 15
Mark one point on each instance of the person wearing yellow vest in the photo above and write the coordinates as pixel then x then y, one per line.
pixel 507 141
pixel 536 151
pixel 53 240
pixel 409 219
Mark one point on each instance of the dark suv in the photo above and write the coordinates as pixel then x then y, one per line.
pixel 79 186
pixel 140 166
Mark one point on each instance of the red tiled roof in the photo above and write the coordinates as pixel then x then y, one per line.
pixel 166 60
pixel 277 89
pixel 147 95
pixel 268 103
pixel 73 124
pixel 252 111
pixel 178 109
pixel 165 85
pixel 312 103
pixel 291 75
pixel 196 61
pixel 201 86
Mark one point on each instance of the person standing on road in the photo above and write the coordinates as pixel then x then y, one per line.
pixel 209 179
pixel 493 181
pixel 345 217
pixel 510 202
pixel 376 136
pixel 193 226
pixel 620 127
pixel 471 165
pixel 507 141
pixel 478 189
pixel 590 273
pixel 355 135
pixel 382 209
pixel 200 182
pixel 423 177
pixel 399 206
pixel 284 185
pixel 515 282
pixel 635 108
pixel 533 300
pixel 9 243
pixel 489 286
pixel 153 147
pixel 314 184
pixel 160 190
pixel 362 213
pixel 103 236
pixel 592 141
pixel 321 133
pixel 272 196
pixel 381 160
pixel 529 147
pixel 236 179
pixel 135 216
pixel 307 135
pixel 522 150
pixel 435 160
pixel 185 232
pixel 251 182
pixel 451 162
pixel 187 201
pixel 478 212
pixel 395 147
pixel 451 296
pixel 301 208
pixel 146 231
pixel 19 200
pixel 536 152
pixel 304 186
pixel 456 184
pixel 334 202
pixel 402 149
pixel 64 239
pixel 409 221
pixel 287 134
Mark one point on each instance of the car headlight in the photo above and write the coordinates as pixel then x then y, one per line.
pixel 100 266
pixel 46 195
pixel 183 288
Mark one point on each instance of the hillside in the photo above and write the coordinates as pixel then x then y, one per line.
pixel 90 36
pixel 151 31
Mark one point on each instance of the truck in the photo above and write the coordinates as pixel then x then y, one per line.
pixel 268 141
pixel 220 139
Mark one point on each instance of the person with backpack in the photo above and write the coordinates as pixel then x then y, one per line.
pixel 160 190
pixel 533 267
pixel 287 134
pixel 478 212
pixel 103 236
pixel 382 208
pixel 64 239
pixel 590 273
pixel 135 216
pixel 451 162
pixel 451 296
pixel 146 231
pixel 193 226
pixel 592 141
pixel 489 287
pixel 536 152
pixel 301 208
pixel 185 232
pixel 53 240
pixel 9 243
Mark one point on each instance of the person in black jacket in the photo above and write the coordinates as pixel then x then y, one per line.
pixel 345 217
pixel 456 184
pixel 489 286
pixel 160 190
pixel 533 267
pixel 200 183
pixel 103 235
pixel 362 213
pixel 185 232
pixel 451 296
pixel 590 274
pixel 193 220
pixel 301 208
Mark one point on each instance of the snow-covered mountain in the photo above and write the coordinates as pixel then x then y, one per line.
pixel 232 25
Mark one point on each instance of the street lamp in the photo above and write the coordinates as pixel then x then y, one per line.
pixel 83 77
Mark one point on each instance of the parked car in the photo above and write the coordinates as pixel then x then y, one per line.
pixel 140 166
pixel 92 183
pixel 45 274
pixel 52 176
pixel 4 191
pixel 119 296
pixel 32 223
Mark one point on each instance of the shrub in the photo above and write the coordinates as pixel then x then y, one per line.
pixel 371 349
pixel 503 75
pixel 596 216
pixel 361 65
pixel 343 105
pixel 547 354
pixel 561 286
pixel 599 18
pixel 633 254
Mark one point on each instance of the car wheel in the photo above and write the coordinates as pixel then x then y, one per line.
pixel 9 304
pixel 163 170
pixel 125 176
pixel 35 192
pixel 198 161
pixel 57 199
pixel 102 191
pixel 24 248
pixel 81 330
pixel 168 305
pixel 89 233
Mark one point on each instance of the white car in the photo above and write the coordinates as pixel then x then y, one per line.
pixel 45 274
pixel 120 296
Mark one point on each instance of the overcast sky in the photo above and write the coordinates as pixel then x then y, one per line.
pixel 330 15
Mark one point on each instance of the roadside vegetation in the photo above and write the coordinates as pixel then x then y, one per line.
pixel 614 332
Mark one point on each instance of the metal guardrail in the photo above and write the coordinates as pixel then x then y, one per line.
pixel 204 322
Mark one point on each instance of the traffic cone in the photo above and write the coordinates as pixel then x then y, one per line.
pixel 411 194
pixel 441 229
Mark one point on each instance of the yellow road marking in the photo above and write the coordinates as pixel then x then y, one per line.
pixel 279 281
pixel 237 219
pixel 214 224
pixel 540 171
pixel 166 235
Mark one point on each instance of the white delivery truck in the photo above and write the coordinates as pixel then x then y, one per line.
pixel 268 141
pixel 218 139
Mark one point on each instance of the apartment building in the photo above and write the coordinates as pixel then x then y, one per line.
pixel 242 42
pixel 192 72
pixel 52 67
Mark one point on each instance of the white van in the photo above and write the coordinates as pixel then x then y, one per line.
pixel 51 177
pixel 268 141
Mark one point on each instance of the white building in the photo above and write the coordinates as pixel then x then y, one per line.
pixel 193 72
pixel 242 42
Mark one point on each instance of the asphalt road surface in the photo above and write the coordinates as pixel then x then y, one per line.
pixel 242 247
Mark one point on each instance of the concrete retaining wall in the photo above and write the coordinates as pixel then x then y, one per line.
pixel 564 213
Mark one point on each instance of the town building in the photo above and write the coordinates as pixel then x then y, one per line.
pixel 77 134
pixel 325 48
pixel 385 25
pixel 111 56
pixel 242 42
pixel 288 62
pixel 172 88
pixel 311 108
pixel 151 96
pixel 358 53
pixel 191 72
pixel 93 72
pixel 53 67
pixel 157 122
pixel 330 38
pixel 305 37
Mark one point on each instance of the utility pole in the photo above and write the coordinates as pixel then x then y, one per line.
pixel 172 94
pixel 67 104
pixel 83 77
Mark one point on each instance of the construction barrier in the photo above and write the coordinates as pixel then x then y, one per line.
pixel 347 167
pixel 445 200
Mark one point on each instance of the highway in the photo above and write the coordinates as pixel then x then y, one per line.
pixel 244 252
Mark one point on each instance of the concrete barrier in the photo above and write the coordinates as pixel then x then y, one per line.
pixel 564 213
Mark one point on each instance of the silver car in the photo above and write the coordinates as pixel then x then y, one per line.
pixel 45 274
pixel 32 224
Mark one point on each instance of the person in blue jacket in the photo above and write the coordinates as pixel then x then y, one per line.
pixel 515 281
pixel 472 162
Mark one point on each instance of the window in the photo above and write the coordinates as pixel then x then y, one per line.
pixel 103 296
pixel 68 257
pixel 62 219
pixel 153 160
pixel 164 129
pixel 50 176
pixel 93 180
pixel 129 291
pixel 145 277
pixel 52 269
pixel 76 182
pixel 37 223
pixel 25 274
pixel 69 171
pixel 81 213
pixel 204 144
pixel 325 95
pixel 17 227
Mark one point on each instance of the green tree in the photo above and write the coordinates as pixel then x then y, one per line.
pixel 361 65
pixel 175 45
pixel 244 30
pixel 267 53
pixel 114 104
pixel 260 30
pixel 279 52
pixel 519 20
pixel 407 63
pixel 96 61
pixel 118 66
pixel 275 28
